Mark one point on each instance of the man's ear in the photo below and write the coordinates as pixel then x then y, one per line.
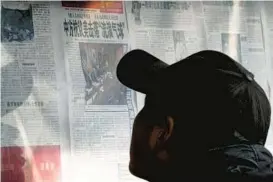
pixel 168 130
pixel 161 134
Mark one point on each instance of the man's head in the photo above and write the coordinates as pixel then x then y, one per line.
pixel 192 106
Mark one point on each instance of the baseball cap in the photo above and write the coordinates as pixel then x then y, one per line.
pixel 206 80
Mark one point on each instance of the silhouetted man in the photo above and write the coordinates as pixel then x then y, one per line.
pixel 205 118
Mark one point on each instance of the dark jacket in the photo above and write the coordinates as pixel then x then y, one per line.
pixel 241 163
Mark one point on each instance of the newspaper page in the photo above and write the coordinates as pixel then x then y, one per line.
pixel 267 20
pixel 30 141
pixel 167 29
pixel 101 109
pixel 235 28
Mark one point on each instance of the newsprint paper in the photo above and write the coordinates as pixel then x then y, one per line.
pixel 100 108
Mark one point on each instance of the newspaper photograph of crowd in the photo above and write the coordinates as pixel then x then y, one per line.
pixel 16 22
pixel 98 63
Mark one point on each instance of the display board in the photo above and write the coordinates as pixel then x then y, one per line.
pixel 64 115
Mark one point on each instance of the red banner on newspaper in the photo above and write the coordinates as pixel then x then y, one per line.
pixel 103 6
pixel 32 164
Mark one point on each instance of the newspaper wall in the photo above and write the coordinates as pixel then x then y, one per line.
pixel 62 107
pixel 30 130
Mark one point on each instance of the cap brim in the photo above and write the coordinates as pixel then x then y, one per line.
pixel 143 72
pixel 138 70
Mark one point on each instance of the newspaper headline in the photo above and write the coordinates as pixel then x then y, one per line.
pixel 87 25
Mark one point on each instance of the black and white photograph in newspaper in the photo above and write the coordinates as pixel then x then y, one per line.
pixel 136 10
pixel 99 63
pixel 16 21
pixel 179 44
pixel 231 45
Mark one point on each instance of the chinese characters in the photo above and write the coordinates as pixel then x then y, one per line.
pixel 94 29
